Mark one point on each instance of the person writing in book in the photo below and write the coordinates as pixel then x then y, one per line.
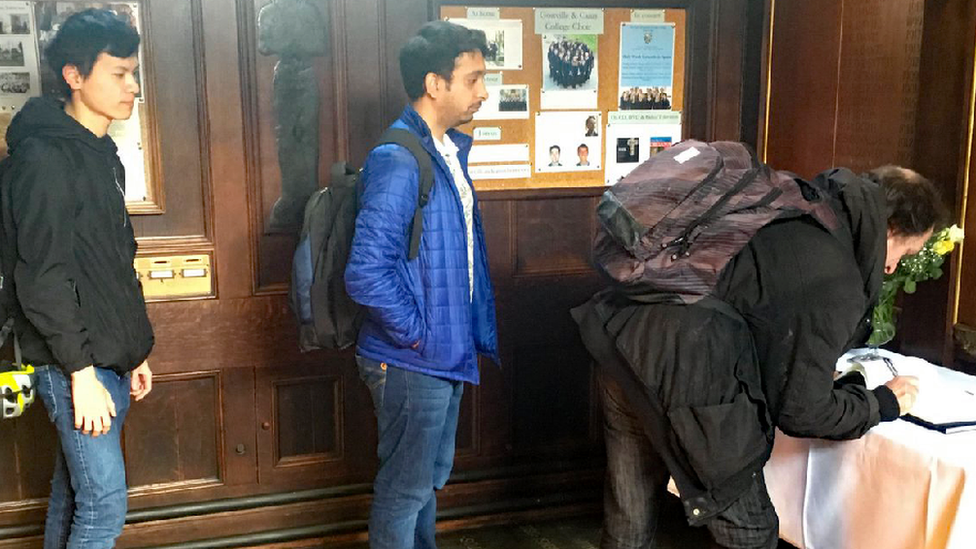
pixel 759 356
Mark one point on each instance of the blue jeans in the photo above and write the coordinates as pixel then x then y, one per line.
pixel 88 502
pixel 417 416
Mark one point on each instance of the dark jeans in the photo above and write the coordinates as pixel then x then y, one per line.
pixel 417 418
pixel 636 486
pixel 88 502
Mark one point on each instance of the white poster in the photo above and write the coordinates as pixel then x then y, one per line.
pixel 646 66
pixel 488 133
pixel 19 76
pixel 570 71
pixel 568 141
pixel 629 145
pixel 504 38
pixel 569 21
pixel 505 103
pixel 517 152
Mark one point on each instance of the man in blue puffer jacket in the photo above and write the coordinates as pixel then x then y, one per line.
pixel 427 319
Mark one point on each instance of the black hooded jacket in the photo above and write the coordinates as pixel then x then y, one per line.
pixel 710 381
pixel 63 209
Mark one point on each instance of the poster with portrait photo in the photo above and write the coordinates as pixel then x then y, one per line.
pixel 570 71
pixel 504 38
pixel 630 145
pixel 568 141
pixel 506 102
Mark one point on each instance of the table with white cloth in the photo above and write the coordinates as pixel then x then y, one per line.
pixel 900 486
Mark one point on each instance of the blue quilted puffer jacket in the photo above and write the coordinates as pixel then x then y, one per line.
pixel 425 301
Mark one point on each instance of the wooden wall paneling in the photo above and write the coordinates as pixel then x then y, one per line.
pixel 173 437
pixel 941 152
pixel 963 348
pixel 754 73
pixel 27 449
pixel 553 236
pixel 316 422
pixel 877 84
pixel 229 172
pixel 727 68
pixel 401 20
pixel 177 68
pixel 802 92
pixel 700 110
pixel 551 403
pixel 366 75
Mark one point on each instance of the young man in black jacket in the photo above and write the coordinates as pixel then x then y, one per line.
pixel 695 391
pixel 82 319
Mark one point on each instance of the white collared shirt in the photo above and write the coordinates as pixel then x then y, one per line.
pixel 449 152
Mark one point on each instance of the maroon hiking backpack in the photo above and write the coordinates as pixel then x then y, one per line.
pixel 674 223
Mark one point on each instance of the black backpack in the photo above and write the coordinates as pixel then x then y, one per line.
pixel 327 317
pixel 17 380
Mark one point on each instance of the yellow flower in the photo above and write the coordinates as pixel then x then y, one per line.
pixel 955 234
pixel 943 247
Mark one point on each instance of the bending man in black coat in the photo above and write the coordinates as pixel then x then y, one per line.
pixel 695 391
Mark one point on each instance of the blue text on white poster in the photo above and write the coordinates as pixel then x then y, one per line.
pixel 646 55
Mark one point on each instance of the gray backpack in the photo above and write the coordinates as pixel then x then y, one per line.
pixel 674 223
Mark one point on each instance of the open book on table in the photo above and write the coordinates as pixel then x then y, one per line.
pixel 941 405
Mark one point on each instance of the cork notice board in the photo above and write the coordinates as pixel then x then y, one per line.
pixel 530 73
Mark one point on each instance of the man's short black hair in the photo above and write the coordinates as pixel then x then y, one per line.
pixel 435 49
pixel 555 147
pixel 582 146
pixel 914 204
pixel 83 37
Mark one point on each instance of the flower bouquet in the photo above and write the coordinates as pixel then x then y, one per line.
pixel 925 265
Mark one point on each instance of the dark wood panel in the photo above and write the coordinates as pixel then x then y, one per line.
pixel 727 69
pixel 803 87
pixel 553 237
pixel 878 83
pixel 177 68
pixel 551 397
pixel 941 137
pixel 28 446
pixel 286 449
pixel 308 419
pixel 172 436
pixel 468 432
pixel 225 114
pixel 401 20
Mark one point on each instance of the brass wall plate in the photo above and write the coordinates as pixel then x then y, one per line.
pixel 175 277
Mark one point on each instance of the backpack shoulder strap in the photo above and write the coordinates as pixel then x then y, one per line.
pixel 410 141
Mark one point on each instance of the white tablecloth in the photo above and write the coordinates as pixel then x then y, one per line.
pixel 900 486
